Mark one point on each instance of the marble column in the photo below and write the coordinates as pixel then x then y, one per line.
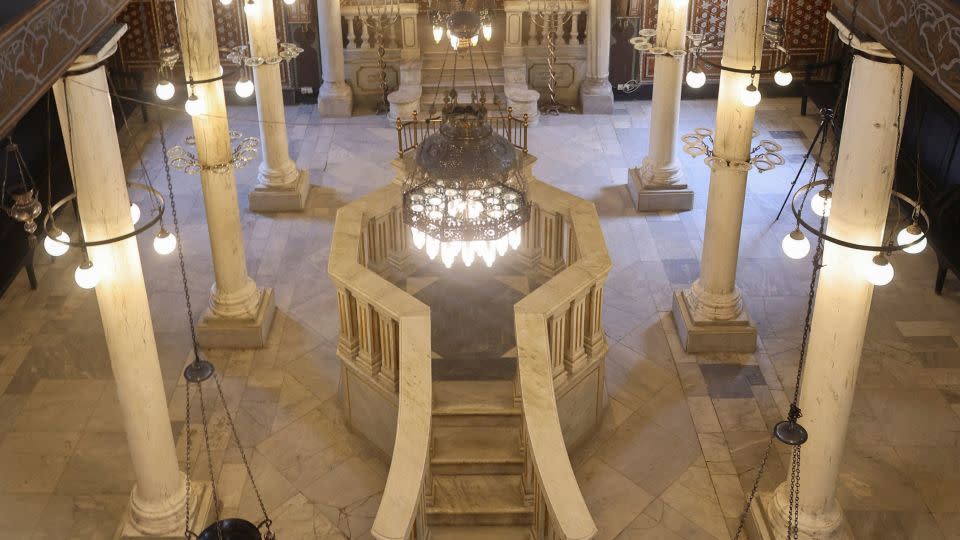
pixel 156 505
pixel 596 92
pixel 861 199
pixel 239 314
pixel 710 314
pixel 336 97
pixel 280 185
pixel 657 183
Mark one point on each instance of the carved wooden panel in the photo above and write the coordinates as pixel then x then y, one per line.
pixel 138 49
pixel 924 34
pixel 808 33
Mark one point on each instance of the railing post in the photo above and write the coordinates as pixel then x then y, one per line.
pixel 529 250
pixel 368 355
pixel 556 330
pixel 594 342
pixel 551 243
pixel 576 355
pixel 351 32
pixel 389 351
pixel 347 344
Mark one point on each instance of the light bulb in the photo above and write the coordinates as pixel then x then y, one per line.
pixel 449 252
pixel 911 233
pixel 503 244
pixel 54 246
pixel 795 245
pixel 488 31
pixel 134 213
pixel 437 34
pixel 433 247
pixel 86 275
pixel 193 105
pixel 474 40
pixel 419 239
pixel 226 2
pixel 783 78
pixel 454 42
pixel 250 8
pixel 466 253
pixel 489 255
pixel 164 243
pixel 822 202
pixel 244 88
pixel 289 2
pixel 515 238
pixel 879 271
pixel 750 95
pixel 696 78
pixel 165 90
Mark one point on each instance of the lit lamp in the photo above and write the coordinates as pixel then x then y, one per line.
pixel 164 243
pixel 909 234
pixel 821 202
pixel 193 105
pixel 795 245
pixel 750 95
pixel 696 78
pixel 57 245
pixel 86 275
pixel 244 87
pixel 165 90
pixel 879 271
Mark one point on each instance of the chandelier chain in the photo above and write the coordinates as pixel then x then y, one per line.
pixel 189 452
pixel 206 442
pixel 755 488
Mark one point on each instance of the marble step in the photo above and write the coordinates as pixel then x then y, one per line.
pixel 467 532
pixel 495 499
pixel 474 403
pixel 476 450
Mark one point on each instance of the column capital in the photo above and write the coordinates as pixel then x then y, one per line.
pixel 856 41
pixel 101 49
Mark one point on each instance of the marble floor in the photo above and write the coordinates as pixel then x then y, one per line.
pixel 680 440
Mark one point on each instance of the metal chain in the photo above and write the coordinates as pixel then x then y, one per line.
pixel 206 442
pixel 756 487
pixel 243 455
pixel 186 528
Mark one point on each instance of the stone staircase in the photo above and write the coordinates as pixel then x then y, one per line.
pixel 476 463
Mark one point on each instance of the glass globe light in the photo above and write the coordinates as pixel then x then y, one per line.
pixel 193 105
pixel 86 275
pixel 795 245
pixel 134 213
pixel 911 233
pixel 164 243
pixel 437 34
pixel 487 31
pixel 165 90
pixel 696 78
pixel 879 271
pixel 250 8
pixel 289 2
pixel 750 95
pixel 226 2
pixel 244 87
pixel 54 247
pixel 822 202
pixel 474 40
pixel 783 78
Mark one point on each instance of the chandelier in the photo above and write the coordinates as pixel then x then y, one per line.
pixel 460 25
pixel 466 196
pixel 764 156
pixel 774 34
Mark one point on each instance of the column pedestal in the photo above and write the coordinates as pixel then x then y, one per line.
pixel 220 332
pixel 596 96
pixel 705 334
pixel 770 517
pixel 335 100
pixel 141 521
pixel 267 197
pixel 653 194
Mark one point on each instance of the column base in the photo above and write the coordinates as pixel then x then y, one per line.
pixel 229 333
pixel 596 96
pixel 335 100
pixel 266 198
pixel 200 511
pixel 699 335
pixel 769 522
pixel 653 199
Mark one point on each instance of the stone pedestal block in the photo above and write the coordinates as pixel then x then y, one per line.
pixel 655 198
pixel 701 335
pixel 266 198
pixel 237 333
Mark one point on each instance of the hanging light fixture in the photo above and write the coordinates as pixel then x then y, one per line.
pixel 461 26
pixel 250 7
pixel 795 245
pixel 696 78
pixel 466 196
pixel 197 374
pixel 879 271
pixel 244 86
pixel 750 95
pixel 822 202
pixel 86 276
pixel 24 206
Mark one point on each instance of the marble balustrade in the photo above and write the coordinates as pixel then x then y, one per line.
pixel 384 347
pixel 561 344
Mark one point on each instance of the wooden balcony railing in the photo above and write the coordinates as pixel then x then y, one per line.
pixel 411 133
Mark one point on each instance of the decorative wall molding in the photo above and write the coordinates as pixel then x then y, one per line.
pixel 39 47
pixel 924 35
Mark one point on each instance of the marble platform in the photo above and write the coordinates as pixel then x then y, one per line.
pixel 681 438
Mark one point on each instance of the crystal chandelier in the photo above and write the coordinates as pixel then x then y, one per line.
pixel 466 196
pixel 460 25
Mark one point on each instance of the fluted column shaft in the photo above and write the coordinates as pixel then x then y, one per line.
pixel 336 97
pixel 596 93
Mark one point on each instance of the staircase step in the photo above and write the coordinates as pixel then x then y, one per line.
pixel 467 532
pixel 463 450
pixel 474 403
pixel 478 500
